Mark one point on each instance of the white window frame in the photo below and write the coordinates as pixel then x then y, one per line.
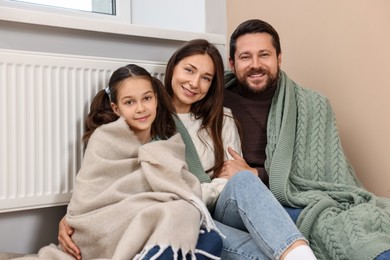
pixel 81 20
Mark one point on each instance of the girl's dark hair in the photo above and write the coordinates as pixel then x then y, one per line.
pixel 101 112
pixel 254 26
pixel 210 108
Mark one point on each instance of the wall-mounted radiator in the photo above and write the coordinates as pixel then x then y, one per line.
pixel 44 99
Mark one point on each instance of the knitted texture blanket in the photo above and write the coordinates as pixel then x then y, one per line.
pixel 308 168
pixel 130 197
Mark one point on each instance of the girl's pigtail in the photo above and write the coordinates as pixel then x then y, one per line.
pixel 100 113
pixel 164 124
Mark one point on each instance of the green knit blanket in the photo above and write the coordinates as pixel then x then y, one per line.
pixel 308 168
pixel 192 156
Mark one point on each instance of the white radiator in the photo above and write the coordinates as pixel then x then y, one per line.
pixel 44 99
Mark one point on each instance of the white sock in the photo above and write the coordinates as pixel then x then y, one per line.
pixel 302 252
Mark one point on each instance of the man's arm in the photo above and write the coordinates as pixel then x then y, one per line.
pixel 231 167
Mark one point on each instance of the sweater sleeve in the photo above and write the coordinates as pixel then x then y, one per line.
pixel 231 138
pixel 211 191
pixel 230 135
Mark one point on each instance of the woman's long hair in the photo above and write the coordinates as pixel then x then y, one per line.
pixel 210 108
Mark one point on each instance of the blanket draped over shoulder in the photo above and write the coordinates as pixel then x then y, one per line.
pixel 308 168
pixel 130 197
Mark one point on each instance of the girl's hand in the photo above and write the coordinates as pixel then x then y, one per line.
pixel 64 237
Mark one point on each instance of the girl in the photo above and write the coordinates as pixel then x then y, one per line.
pixel 133 190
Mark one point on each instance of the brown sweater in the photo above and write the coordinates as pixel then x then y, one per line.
pixel 251 113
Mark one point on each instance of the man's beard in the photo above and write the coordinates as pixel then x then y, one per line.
pixel 271 82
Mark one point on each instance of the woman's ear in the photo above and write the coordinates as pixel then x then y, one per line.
pixel 115 108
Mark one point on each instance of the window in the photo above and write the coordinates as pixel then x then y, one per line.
pixel 94 6
pixel 124 17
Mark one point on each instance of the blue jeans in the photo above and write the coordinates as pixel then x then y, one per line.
pixel 256 226
pixel 293 212
pixel 209 242
pixel 384 256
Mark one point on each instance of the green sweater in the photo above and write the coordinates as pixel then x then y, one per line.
pixel 308 168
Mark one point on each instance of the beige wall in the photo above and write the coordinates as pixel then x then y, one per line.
pixel 342 49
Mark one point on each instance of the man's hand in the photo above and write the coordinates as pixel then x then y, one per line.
pixel 64 237
pixel 231 167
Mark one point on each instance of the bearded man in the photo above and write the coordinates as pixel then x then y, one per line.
pixel 290 140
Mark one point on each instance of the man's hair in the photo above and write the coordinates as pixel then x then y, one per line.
pixel 254 26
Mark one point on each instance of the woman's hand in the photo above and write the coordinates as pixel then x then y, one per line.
pixel 232 167
pixel 64 237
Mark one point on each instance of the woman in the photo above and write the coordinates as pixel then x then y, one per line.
pixel 194 80
pixel 254 229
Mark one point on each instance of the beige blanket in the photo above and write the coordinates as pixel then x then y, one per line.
pixel 130 197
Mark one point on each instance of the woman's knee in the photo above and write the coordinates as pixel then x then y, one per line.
pixel 245 179
pixel 246 186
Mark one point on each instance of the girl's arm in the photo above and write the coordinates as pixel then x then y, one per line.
pixel 211 191
pixel 65 233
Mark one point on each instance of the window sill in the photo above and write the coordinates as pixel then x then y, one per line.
pixel 97 24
